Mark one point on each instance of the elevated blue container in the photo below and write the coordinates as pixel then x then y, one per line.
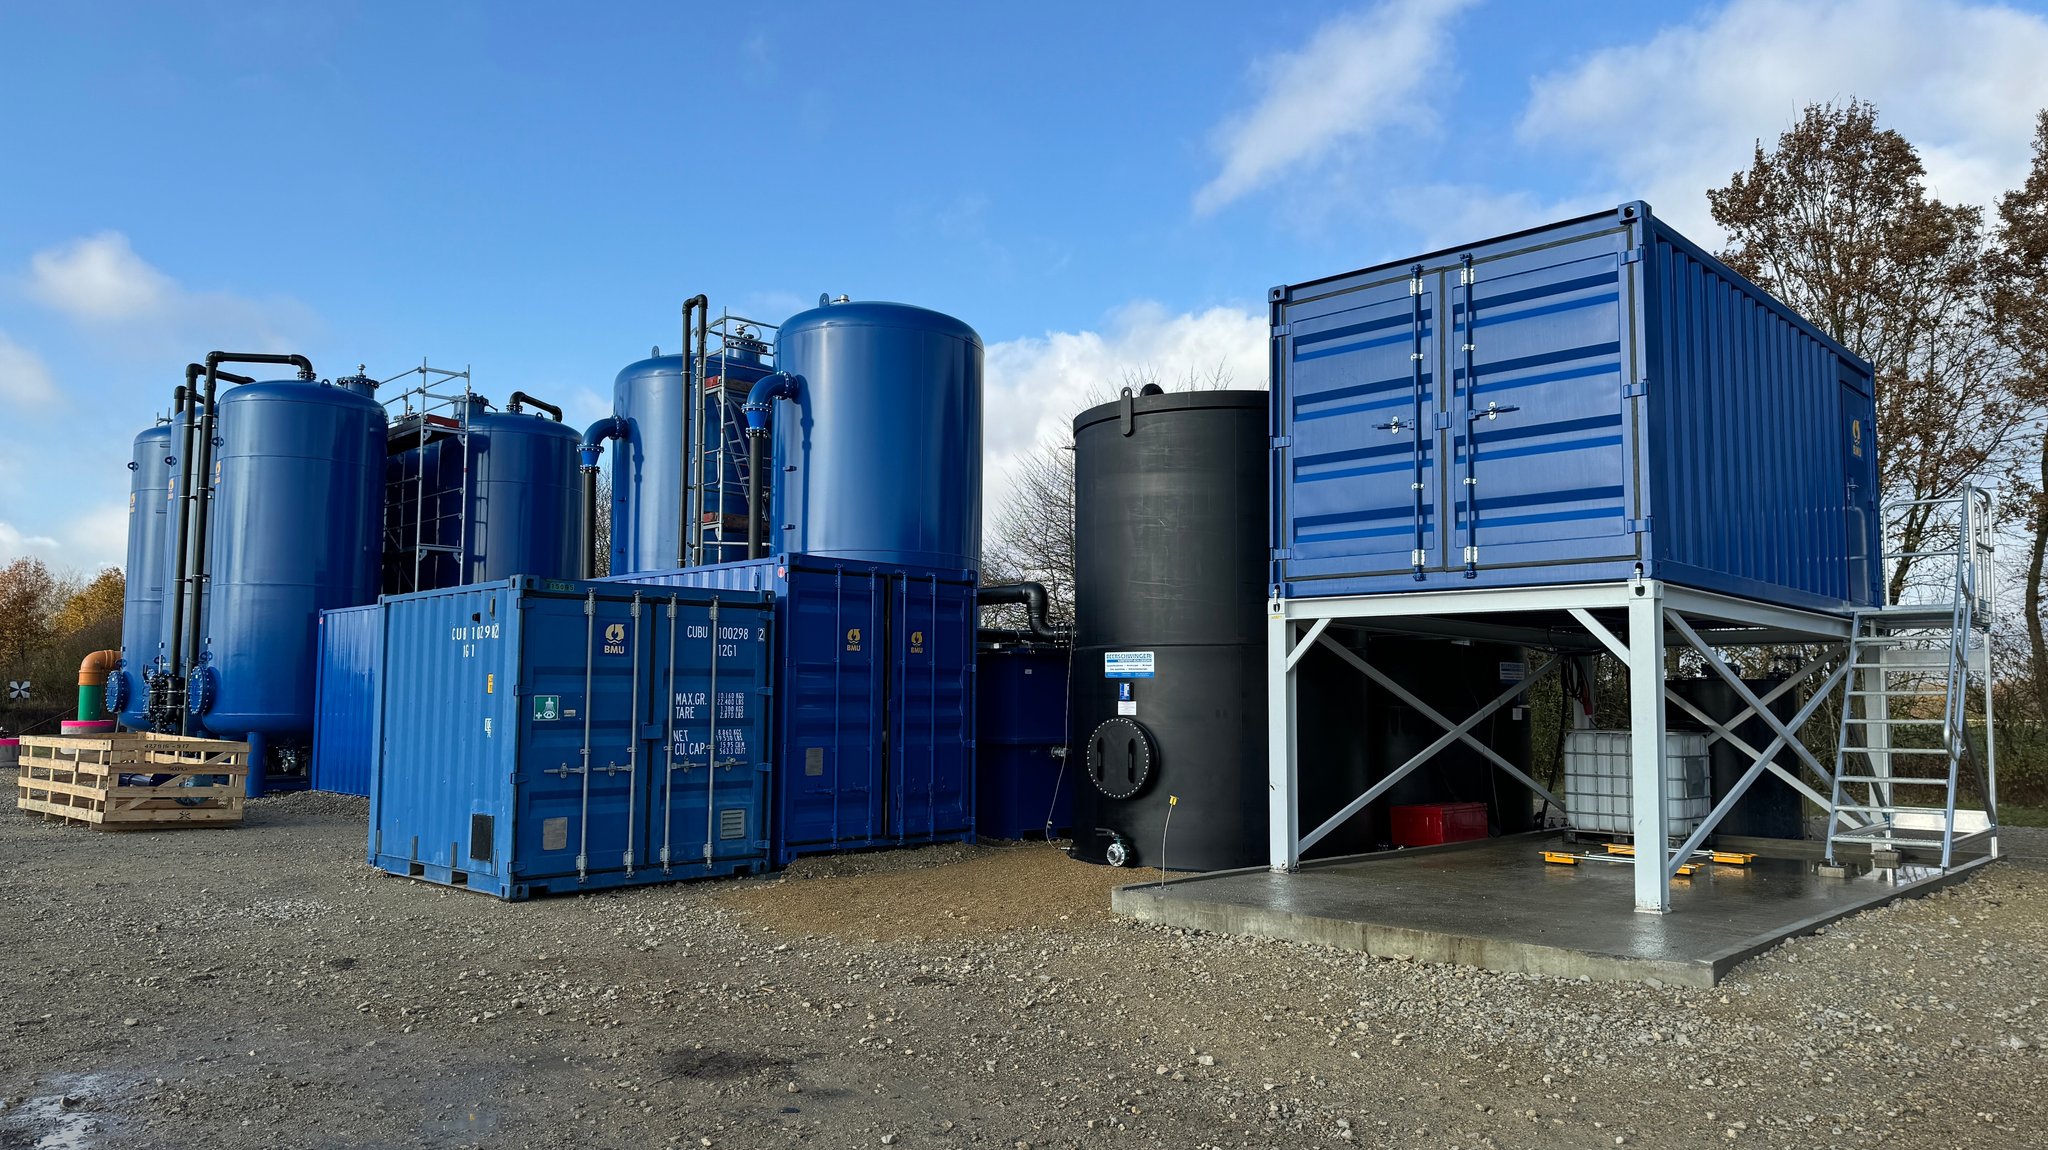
pixel 142 613
pixel 1020 722
pixel 345 715
pixel 878 454
pixel 297 495
pixel 553 736
pixel 1628 404
pixel 874 713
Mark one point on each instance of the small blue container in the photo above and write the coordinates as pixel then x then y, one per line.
pixel 874 706
pixel 1020 715
pixel 1585 402
pixel 554 736
pixel 345 699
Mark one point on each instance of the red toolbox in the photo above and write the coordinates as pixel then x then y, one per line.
pixel 1428 824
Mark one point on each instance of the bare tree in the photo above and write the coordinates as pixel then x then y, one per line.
pixel 2019 306
pixel 601 531
pixel 1837 222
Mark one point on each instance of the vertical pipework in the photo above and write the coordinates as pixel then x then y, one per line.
pixel 92 683
pixel 689 532
pixel 180 491
pixel 760 409
pixel 199 488
pixel 592 449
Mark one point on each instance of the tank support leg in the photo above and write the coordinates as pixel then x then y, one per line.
pixel 259 750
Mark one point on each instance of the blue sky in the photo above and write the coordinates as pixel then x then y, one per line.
pixel 531 190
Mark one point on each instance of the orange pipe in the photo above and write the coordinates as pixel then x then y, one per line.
pixel 93 671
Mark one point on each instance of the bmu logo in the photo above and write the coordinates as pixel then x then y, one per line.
pixel 853 638
pixel 917 642
pixel 615 639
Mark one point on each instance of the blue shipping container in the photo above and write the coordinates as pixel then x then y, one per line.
pixel 553 736
pixel 1576 403
pixel 345 692
pixel 1021 788
pixel 874 718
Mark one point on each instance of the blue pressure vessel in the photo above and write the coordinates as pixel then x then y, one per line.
pixel 525 498
pixel 296 520
pixel 142 613
pixel 647 465
pixel 878 451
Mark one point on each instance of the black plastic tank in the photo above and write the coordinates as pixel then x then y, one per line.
pixel 1168 688
pixel 1770 808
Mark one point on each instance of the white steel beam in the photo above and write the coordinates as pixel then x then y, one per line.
pixel 1727 735
pixel 1759 762
pixel 1649 816
pixel 1479 602
pixel 1282 773
pixel 1451 735
pixel 1742 691
pixel 1600 632
pixel 1307 641
pixel 1431 713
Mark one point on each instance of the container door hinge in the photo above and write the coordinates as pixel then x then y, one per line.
pixel 1283 553
pixel 1632 256
pixel 1282 329
pixel 1283 441
pixel 1443 420
pixel 1640 387
pixel 1639 526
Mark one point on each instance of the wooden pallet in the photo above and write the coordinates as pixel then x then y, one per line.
pixel 134 781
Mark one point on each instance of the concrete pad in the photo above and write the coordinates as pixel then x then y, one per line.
pixel 1496 904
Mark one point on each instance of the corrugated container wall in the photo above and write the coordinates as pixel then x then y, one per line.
pixel 345 710
pixel 874 699
pixel 554 736
pixel 142 615
pixel 1568 404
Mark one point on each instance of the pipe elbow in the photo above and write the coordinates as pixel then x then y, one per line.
pixel 94 669
pixel 610 427
pixel 520 398
pixel 760 405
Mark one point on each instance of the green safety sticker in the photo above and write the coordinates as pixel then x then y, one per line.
pixel 547 708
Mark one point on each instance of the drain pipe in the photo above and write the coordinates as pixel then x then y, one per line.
pixel 92 683
pixel 592 447
pixel 759 409
pixel 689 532
pixel 518 398
pixel 1036 604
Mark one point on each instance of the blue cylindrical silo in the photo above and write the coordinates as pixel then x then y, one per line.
pixel 297 490
pixel 647 465
pixel 878 451
pixel 142 614
pixel 525 499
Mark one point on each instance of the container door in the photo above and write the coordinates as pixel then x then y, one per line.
pixel 834 763
pixel 1541 358
pixel 1361 372
pixel 705 781
pixel 583 659
pixel 931 708
pixel 1863 534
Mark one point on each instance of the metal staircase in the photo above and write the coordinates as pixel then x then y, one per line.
pixel 1905 736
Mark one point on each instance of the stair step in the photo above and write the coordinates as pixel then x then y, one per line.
pixel 1902 780
pixel 1879 809
pixel 1889 839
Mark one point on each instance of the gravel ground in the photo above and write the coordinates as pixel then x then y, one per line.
pixel 263 987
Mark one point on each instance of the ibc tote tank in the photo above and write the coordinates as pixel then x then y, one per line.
pixel 878 453
pixel 142 614
pixel 298 488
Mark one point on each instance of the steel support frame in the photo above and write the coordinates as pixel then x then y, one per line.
pixel 1650 607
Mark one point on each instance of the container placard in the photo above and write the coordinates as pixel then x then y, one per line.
pixel 1127 664
pixel 547 708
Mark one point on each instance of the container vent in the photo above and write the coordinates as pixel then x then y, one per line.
pixel 732 823
pixel 480 835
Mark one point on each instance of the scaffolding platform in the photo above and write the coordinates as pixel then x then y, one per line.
pixel 1496 905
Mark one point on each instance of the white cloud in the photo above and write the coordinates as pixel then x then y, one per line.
pixel 83 543
pixel 1036 385
pixel 1667 118
pixel 15 543
pixel 98 278
pixel 1358 75
pixel 25 383
pixel 100 282
pixel 1442 215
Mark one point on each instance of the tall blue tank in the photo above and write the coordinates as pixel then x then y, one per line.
pixel 295 530
pixel 525 498
pixel 878 451
pixel 647 465
pixel 142 615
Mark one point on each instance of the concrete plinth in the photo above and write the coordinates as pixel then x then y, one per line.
pixel 1498 905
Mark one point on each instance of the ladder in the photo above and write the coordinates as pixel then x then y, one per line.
pixel 1904 738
